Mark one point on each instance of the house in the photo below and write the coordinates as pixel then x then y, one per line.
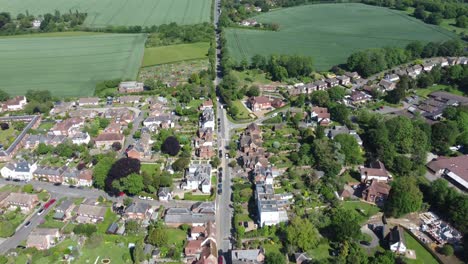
pixel 320 115
pixel 332 82
pixel 358 97
pixel 88 101
pixel 105 140
pixel 352 75
pixel 68 127
pixel 203 208
pixel 197 231
pixel 61 108
pixel 253 256
pixel 392 77
pixel 344 80
pixel 193 247
pixel 142 148
pixel 85 178
pixel 175 217
pixel 159 121
pixel 90 213
pixel 198 177
pixel 36 23
pixel 16 103
pixel 32 141
pixel 206 104
pixel 43 238
pixel 443 62
pixel 277 103
pixel 453 168
pixel 137 211
pixel 248 22
pixel 164 194
pixel 49 174
pixel 376 171
pixel 259 103
pixel 377 192
pixel 428 66
pixel 337 130
pixel 302 258
pixel 64 210
pixel 204 137
pixel 271 207
pixel 207 119
pixel 387 85
pixel 396 240
pixel 26 202
pixel 129 99
pixel 81 138
pixel 321 85
pixel 205 152
pixel 113 128
pixel 131 87
pixel 22 170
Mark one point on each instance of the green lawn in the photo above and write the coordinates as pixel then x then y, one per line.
pixel 50 222
pixel 422 255
pixel 426 91
pixel 249 77
pixel 191 197
pixel 9 221
pixel 109 248
pixel 243 112
pixel 119 12
pixel 356 206
pixel 175 53
pixel 68 66
pixel 149 168
pixel 176 236
pixel 321 252
pixel 109 218
pixel 331 32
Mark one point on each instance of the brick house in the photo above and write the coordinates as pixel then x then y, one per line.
pixel 105 140
pixel 131 87
pixel 258 103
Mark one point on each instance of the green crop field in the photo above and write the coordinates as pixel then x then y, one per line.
pixel 68 66
pixel 175 53
pixel 119 12
pixel 331 32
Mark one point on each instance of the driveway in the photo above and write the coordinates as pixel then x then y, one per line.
pixel 375 240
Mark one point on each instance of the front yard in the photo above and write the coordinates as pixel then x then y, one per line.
pixel 9 221
pixel 243 112
pixel 363 209
pixel 422 255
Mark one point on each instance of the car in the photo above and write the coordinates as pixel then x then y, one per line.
pixel 57 183
pixel 142 197
pixel 227 156
pixel 149 198
pixel 40 211
pixel 220 154
pixel 28 223
pixel 365 243
pixel 220 191
pixel 220 179
pixel 20 247
pixel 72 186
pixel 220 186
pixel 49 203
pixel 220 169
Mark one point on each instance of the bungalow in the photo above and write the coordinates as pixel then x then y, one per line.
pixel 396 240
pixel 137 211
pixel 16 103
pixel 258 103
pixel 198 177
pixel 320 115
pixel 43 238
pixel 376 171
pixel 64 210
pixel 175 217
pixel 332 82
pixel 206 104
pixel 254 256
pixel 453 168
pixel 377 192
pixel 387 85
pixel 344 80
pixel 129 99
pixel 131 87
pixel 89 213
pixel 164 194
pixel 105 140
pixel 21 170
pixel 26 202
pixel 88 101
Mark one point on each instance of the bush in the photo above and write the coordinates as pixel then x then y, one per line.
pixel 171 146
pixel 447 250
pixel 85 229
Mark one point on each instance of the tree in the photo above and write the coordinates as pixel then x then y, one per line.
pixel 302 234
pixel 171 146
pixel 40 96
pixel 404 197
pixel 340 113
pixel 85 229
pixel 132 227
pixel 181 164
pixel 137 253
pixel 336 93
pixel 132 184
pixel 461 22
pixel 443 136
pixel 4 126
pixel 157 236
pixel 275 257
pixel 434 18
pixel 101 170
pixel 127 201
pixel 3 95
pixel 215 162
pixel 447 250
pixel 320 98
pixel 350 148
pixel 420 13
pixel 253 91
pixel 344 225
pixel 121 169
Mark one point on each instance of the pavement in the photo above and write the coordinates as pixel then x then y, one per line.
pixel 375 240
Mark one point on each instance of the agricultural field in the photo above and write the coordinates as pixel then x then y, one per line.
pixel 119 12
pixel 68 66
pixel 175 53
pixel 331 32
pixel 177 72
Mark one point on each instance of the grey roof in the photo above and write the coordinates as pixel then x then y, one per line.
pixel 138 208
pixel 200 173
pixel 246 255
pixel 148 249
pixel 208 114
pixel 204 207
pixel 46 139
pixel 22 166
pixel 164 191
pixel 64 206
pixel 112 228
pixel 188 218
pixel 47 170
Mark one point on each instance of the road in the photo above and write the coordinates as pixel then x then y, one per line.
pixel 22 232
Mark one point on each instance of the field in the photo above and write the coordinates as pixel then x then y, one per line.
pixel 119 12
pixel 173 72
pixel 175 53
pixel 331 32
pixel 68 66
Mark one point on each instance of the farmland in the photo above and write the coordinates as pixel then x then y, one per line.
pixel 119 12
pixel 175 53
pixel 331 32
pixel 68 66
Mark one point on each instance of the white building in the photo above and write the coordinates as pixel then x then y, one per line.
pixel 397 240
pixel 207 119
pixel 376 171
pixel 198 177
pixel 36 23
pixel 22 171
pixel 81 138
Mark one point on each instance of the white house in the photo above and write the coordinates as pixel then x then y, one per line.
pixel 397 240
pixel 36 23
pixel 207 119
pixel 81 138
pixel 165 194
pixel 376 171
pixel 198 177
pixel 15 104
pixel 22 171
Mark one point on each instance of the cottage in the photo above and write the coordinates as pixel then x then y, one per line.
pixel 352 75
pixel 43 238
pixel 88 101
pixel 396 240
pixel 22 171
pixel 137 211
pixel 253 256
pixel 26 202
pixel 377 192
pixel 105 140
pixel 358 97
pixel 198 177
pixel 259 103
pixel 16 103
pixel 321 85
pixel 164 194
pixel 376 171
pixel 454 168
pixel 131 87
pixel 89 213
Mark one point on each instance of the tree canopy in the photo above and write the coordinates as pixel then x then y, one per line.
pixel 302 234
pixel 404 197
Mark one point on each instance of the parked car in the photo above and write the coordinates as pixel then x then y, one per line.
pixel 28 223
pixel 40 211
pixel 49 203
pixel 141 197
pixel 149 198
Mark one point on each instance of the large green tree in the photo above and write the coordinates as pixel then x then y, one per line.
pixel 405 197
pixel 350 148
pixel 275 257
pixel 101 170
pixel 344 225
pixel 302 234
